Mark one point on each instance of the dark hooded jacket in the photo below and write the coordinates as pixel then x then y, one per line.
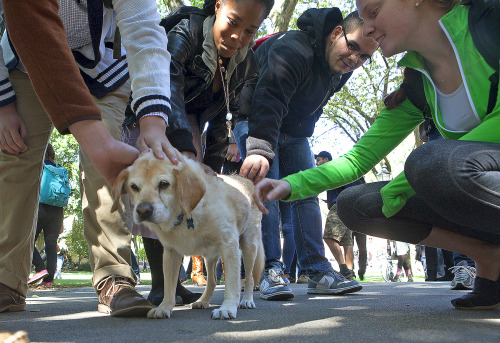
pixel 294 83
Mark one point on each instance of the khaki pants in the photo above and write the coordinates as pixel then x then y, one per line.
pixel 106 232
pixel 19 188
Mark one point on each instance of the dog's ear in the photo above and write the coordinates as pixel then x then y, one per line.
pixel 118 188
pixel 190 187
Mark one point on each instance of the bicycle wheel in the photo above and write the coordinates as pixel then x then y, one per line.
pixel 385 269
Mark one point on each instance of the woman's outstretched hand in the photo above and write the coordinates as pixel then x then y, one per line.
pixel 269 189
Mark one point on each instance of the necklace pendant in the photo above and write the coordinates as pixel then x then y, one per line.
pixel 229 116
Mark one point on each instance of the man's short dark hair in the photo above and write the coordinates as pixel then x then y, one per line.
pixel 352 22
pixel 324 154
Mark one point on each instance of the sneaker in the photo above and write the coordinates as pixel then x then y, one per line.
pixel 464 276
pixel 38 276
pixel 484 296
pixel 332 282
pixel 45 284
pixel 273 287
pixel 303 279
pixel 348 274
pixel 410 278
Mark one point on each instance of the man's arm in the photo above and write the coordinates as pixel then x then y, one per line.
pixel 12 128
pixel 149 66
pixel 37 32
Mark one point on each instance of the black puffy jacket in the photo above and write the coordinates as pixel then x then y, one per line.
pixel 294 84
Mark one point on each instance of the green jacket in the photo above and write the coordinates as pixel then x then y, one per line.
pixel 392 126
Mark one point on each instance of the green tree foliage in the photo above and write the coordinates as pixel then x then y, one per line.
pixel 66 148
pixel 77 245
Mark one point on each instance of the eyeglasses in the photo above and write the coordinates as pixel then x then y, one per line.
pixel 354 50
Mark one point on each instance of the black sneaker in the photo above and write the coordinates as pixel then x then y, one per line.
pixel 348 274
pixel 485 296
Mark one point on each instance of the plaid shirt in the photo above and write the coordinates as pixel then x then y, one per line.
pixel 74 15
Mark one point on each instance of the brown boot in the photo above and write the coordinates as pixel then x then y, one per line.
pixel 11 300
pixel 118 297
pixel 197 273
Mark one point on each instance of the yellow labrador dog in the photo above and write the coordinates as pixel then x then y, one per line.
pixel 194 213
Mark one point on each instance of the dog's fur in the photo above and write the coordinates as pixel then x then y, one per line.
pixel 225 219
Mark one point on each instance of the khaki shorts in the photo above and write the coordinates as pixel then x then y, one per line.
pixel 336 230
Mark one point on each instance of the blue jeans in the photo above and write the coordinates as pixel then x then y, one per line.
pixel 458 257
pixel 288 240
pixel 291 156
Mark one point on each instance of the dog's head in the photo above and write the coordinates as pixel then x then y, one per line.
pixel 158 189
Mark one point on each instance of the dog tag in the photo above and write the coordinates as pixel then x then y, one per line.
pixel 190 223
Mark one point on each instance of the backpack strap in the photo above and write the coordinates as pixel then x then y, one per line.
pixel 484 24
pixel 117 42
pixel 416 95
pixel 108 3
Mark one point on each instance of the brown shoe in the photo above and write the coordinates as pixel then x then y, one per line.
pixel 10 300
pixel 118 297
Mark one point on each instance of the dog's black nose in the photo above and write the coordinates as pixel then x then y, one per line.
pixel 144 211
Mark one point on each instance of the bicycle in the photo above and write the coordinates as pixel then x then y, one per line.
pixel 388 267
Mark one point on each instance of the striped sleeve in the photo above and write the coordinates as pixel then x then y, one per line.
pixel 7 94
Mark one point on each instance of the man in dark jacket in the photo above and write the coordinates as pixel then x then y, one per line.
pixel 299 72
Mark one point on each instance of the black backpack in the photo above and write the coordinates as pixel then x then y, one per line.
pixel 180 13
pixel 484 25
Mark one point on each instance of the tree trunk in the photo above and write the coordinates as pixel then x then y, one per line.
pixel 283 18
pixel 172 4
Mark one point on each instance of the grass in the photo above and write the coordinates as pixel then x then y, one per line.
pixel 84 279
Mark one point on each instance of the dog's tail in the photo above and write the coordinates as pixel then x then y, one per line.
pixel 260 261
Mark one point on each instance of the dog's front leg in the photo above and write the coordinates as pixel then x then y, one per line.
pixel 204 301
pixel 171 265
pixel 232 263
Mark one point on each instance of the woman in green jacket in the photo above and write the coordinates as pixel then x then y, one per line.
pixel 449 194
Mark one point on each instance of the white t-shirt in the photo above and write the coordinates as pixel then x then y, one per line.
pixel 456 110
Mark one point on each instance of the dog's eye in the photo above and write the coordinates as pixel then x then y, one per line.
pixel 163 184
pixel 134 187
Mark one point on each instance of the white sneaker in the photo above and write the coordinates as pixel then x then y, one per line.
pixel 464 276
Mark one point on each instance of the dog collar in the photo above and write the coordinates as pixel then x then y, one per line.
pixel 180 219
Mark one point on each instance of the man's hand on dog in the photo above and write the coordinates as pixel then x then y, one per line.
pixel 255 168
pixel 152 136
pixel 269 189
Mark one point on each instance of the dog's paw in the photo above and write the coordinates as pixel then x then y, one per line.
pixel 224 313
pixel 199 305
pixel 161 312
pixel 247 303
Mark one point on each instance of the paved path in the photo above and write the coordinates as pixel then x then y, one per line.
pixel 381 312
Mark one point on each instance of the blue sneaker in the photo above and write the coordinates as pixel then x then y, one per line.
pixel 273 287
pixel 332 282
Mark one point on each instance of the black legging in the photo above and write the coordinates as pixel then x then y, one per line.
pixel 50 220
pixel 361 242
pixel 457 186
pixel 403 262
